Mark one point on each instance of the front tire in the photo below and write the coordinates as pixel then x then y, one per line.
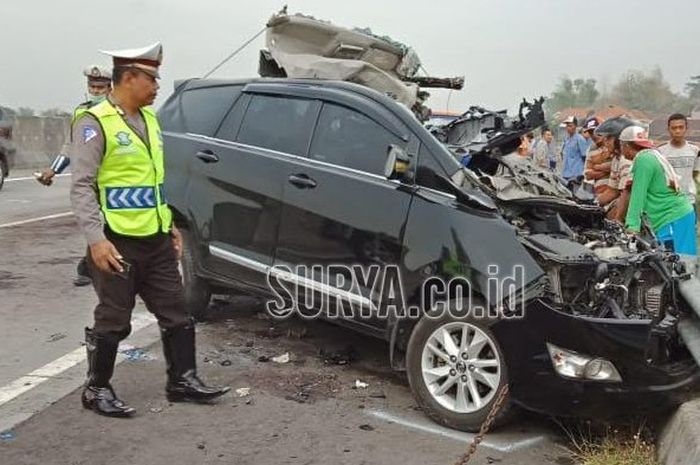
pixel 456 369
pixel 197 291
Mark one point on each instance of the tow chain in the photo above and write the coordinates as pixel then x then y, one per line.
pixel 485 426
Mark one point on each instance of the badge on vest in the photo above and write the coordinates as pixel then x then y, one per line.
pixel 123 138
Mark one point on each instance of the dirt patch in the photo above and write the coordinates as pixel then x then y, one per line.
pixel 302 387
pixel 10 280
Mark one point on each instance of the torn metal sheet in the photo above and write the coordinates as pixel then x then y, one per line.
pixel 301 47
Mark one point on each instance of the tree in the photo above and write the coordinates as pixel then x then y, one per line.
pixel 573 93
pixel 692 88
pixel 25 111
pixel 650 92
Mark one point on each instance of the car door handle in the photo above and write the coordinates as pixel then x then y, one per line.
pixel 302 181
pixel 207 156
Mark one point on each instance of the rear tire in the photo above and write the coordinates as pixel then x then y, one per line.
pixel 476 377
pixel 197 291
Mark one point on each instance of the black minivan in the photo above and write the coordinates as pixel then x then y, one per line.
pixel 267 177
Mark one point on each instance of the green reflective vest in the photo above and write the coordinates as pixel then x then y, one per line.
pixel 130 178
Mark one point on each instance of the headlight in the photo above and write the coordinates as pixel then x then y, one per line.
pixel 573 365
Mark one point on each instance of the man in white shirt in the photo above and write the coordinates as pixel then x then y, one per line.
pixel 682 155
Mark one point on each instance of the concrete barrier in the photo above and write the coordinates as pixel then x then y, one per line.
pixel 38 140
pixel 679 441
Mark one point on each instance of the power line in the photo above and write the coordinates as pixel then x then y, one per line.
pixel 235 52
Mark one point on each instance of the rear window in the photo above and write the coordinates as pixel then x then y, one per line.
pixel 278 123
pixel 205 107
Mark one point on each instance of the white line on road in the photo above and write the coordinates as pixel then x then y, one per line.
pixel 32 220
pixel 58 366
pixel 504 446
pixel 27 178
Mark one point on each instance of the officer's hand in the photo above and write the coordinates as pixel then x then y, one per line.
pixel 46 177
pixel 106 256
pixel 177 241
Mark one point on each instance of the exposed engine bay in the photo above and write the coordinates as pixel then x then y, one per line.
pixel 594 268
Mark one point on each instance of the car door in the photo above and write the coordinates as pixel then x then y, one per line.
pixel 338 207
pixel 241 174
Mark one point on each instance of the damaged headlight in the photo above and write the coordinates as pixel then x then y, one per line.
pixel 570 364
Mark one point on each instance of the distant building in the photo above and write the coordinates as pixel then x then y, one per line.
pixel 611 111
pixel 658 130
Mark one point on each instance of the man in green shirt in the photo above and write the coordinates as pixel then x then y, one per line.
pixel 656 192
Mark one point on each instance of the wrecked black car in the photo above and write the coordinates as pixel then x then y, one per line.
pixel 293 189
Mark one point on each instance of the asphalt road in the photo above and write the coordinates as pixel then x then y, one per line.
pixel 302 412
pixel 22 198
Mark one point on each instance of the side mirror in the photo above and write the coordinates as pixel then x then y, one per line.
pixel 397 162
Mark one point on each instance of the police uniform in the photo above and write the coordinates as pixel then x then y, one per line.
pixel 117 194
pixel 95 75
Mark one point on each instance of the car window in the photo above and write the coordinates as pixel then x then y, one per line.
pixel 278 123
pixel 348 138
pixel 205 107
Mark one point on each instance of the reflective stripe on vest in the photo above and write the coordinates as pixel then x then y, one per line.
pixel 131 176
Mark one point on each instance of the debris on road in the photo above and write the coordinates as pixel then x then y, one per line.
pixel 263 359
pixel 360 385
pixel 156 410
pixel 339 357
pixel 7 436
pixel 282 359
pixel 56 337
pixel 226 363
pixel 367 427
pixel 243 392
pixel 134 354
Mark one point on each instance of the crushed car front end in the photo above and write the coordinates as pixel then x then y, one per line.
pixel 613 327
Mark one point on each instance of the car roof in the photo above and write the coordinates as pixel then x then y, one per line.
pixel 196 83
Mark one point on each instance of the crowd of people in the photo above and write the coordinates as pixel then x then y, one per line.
pixel 636 182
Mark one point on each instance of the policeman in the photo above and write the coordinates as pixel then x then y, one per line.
pixel 117 197
pixel 99 82
pixel 98 86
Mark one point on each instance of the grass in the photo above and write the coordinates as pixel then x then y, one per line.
pixel 605 445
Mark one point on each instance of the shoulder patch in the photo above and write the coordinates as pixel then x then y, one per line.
pixel 89 133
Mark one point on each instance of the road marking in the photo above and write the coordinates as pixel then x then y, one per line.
pixel 504 446
pixel 27 178
pixel 58 366
pixel 33 220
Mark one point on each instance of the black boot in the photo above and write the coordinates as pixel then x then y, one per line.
pixel 98 394
pixel 82 277
pixel 183 383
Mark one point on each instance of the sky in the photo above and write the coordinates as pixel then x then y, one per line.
pixel 506 49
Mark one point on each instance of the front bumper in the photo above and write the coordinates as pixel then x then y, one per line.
pixel 646 386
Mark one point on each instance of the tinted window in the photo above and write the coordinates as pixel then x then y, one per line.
pixel 348 138
pixel 278 123
pixel 204 108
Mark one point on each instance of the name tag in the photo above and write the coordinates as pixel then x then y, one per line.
pixel 128 150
